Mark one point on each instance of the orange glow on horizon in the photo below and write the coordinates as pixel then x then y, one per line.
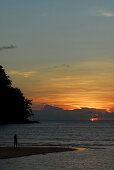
pixel 95 119
pixel 69 103
pixel 69 106
pixel 37 104
pixel 98 119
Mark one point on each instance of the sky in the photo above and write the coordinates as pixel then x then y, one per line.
pixel 60 52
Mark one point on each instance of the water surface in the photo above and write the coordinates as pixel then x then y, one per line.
pixel 96 137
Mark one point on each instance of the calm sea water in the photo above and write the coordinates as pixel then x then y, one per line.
pixel 96 137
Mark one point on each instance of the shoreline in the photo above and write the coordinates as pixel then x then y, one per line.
pixel 10 152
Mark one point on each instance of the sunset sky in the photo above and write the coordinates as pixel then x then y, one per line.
pixel 60 52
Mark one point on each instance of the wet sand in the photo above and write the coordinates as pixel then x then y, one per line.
pixel 10 152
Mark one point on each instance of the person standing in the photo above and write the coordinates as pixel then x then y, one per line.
pixel 15 141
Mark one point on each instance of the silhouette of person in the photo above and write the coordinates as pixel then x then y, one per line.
pixel 15 141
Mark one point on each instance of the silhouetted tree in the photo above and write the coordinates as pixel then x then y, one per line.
pixel 4 79
pixel 14 107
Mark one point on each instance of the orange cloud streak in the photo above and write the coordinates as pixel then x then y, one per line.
pixel 85 84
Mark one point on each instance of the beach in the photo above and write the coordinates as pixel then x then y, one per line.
pixel 10 152
pixel 58 145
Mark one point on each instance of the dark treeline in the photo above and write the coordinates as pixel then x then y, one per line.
pixel 14 107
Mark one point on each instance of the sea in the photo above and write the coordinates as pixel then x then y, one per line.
pixel 94 140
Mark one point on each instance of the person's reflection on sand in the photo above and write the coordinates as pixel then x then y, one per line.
pixel 15 141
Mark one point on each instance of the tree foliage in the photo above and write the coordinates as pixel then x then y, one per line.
pixel 14 107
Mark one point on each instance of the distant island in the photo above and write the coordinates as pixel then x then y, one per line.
pixel 14 107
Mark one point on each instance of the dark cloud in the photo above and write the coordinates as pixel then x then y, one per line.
pixel 7 47
pixel 56 113
pixel 62 66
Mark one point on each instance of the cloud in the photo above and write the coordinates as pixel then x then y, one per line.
pixel 62 66
pixel 100 12
pixel 105 13
pixel 23 74
pixel 7 47
pixel 55 113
